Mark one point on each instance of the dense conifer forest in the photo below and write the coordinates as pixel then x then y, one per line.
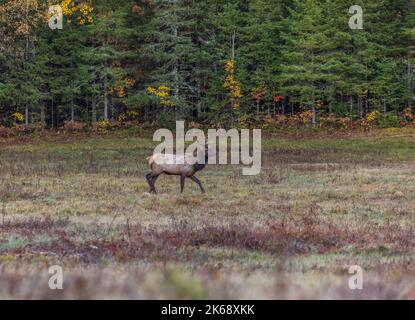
pixel 232 61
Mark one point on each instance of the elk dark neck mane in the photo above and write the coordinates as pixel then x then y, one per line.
pixel 200 166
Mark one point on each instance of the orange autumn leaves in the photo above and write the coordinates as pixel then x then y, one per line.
pixel 121 86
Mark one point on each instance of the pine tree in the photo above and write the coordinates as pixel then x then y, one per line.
pixel 260 54
pixel 107 53
pixel 303 56
pixel 169 48
pixel 18 27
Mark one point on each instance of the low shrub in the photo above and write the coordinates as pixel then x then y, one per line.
pixel 374 119
pixel 73 126
pixel 105 126
pixel 6 132
pixel 128 117
pixel 389 120
pixel 334 122
pixel 22 129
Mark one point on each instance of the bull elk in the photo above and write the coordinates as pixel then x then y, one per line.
pixel 170 164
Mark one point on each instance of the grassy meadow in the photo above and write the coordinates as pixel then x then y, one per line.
pixel 321 204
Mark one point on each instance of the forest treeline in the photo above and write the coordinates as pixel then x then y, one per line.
pixel 203 61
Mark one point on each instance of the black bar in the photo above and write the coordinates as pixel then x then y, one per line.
pixel 212 309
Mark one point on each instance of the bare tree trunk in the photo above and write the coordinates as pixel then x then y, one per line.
pixel 314 109
pixel 111 111
pixel 52 112
pixel 198 103
pixel 72 111
pixel 331 103
pixel 106 72
pixel 106 92
pixel 42 116
pixel 26 58
pixel 94 109
pixel 233 45
pixel 26 115
pixel 313 96
pixel 410 75
pixel 176 63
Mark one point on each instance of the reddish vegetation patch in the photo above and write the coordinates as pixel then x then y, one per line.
pixel 34 224
pixel 305 235
pixel 271 238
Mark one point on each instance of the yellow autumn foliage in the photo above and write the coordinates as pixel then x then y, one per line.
pixel 18 116
pixel 163 93
pixel 70 9
pixel 232 85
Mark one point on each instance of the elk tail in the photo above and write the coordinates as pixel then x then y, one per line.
pixel 150 160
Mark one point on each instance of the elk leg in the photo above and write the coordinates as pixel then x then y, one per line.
pixel 182 179
pixel 153 181
pixel 199 183
pixel 150 179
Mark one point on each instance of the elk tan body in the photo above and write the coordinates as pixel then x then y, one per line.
pixel 179 165
pixel 172 164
